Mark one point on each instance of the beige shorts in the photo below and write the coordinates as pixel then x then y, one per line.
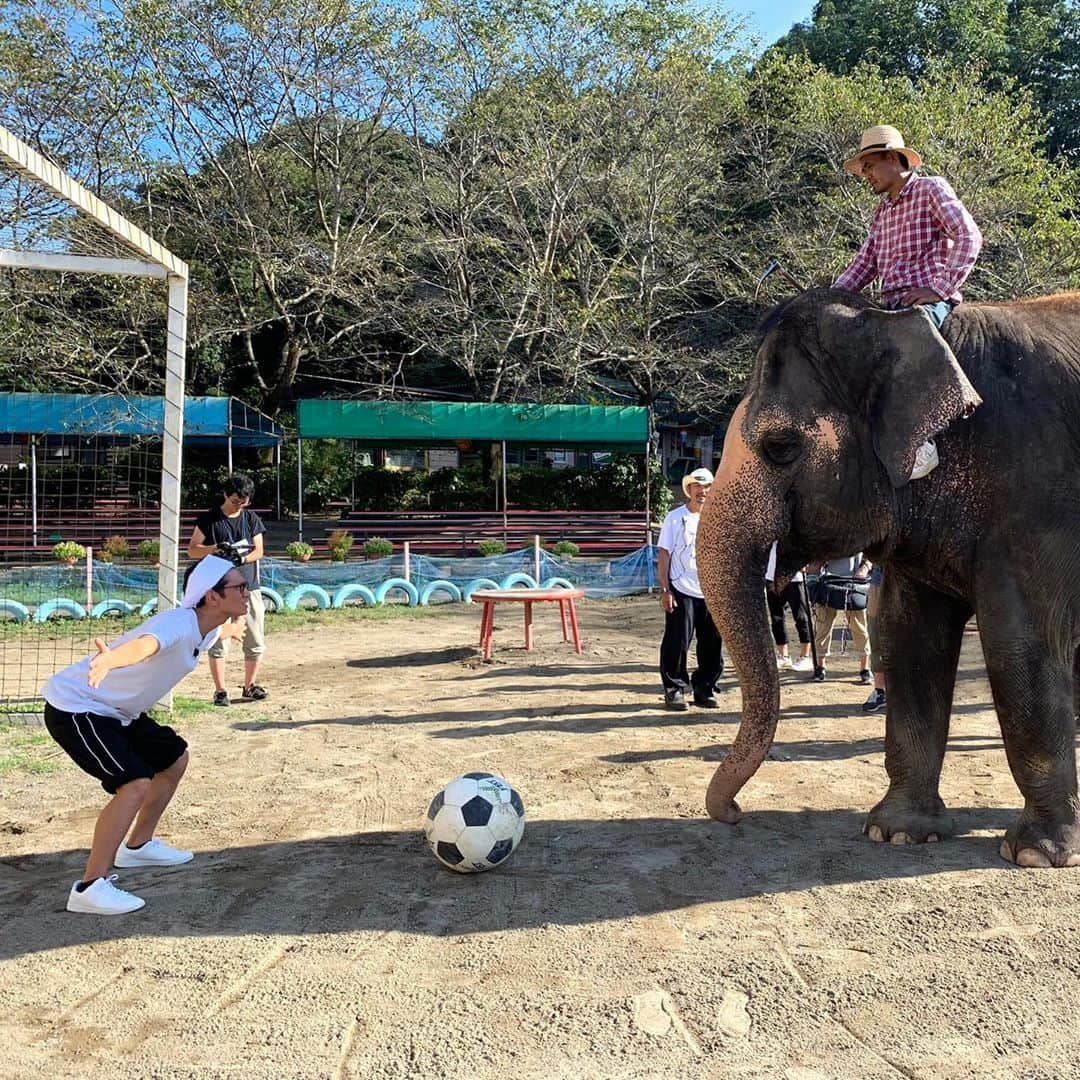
pixel 254 631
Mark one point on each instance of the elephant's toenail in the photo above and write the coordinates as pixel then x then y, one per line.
pixel 933 838
pixel 899 838
pixel 875 833
pixel 1006 851
pixel 1033 857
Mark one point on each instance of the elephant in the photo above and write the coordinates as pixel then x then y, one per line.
pixel 818 456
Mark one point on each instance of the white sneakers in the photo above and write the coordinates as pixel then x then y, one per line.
pixel 926 460
pixel 783 662
pixel 103 898
pixel 154 852
pixel 804 663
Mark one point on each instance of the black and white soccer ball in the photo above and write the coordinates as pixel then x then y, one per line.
pixel 475 822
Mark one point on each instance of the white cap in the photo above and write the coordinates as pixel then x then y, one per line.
pixel 698 476
pixel 207 573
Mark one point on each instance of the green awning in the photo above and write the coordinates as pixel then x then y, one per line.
pixel 418 423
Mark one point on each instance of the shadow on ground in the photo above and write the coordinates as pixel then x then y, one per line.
pixel 565 872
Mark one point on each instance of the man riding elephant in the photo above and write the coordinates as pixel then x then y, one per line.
pixel 819 456
pixel 922 242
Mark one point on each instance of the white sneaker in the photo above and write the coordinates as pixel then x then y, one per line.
pixel 154 852
pixel 926 460
pixel 103 898
pixel 783 662
pixel 804 663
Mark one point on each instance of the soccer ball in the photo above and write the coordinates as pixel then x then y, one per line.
pixel 475 822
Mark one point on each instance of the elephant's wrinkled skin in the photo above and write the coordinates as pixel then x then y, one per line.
pixel 818 454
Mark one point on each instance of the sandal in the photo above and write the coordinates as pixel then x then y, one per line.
pixel 254 692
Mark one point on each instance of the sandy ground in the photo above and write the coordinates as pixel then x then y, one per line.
pixel 314 935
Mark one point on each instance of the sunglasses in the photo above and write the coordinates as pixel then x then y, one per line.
pixel 243 587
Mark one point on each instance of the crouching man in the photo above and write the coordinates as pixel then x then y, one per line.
pixel 98 711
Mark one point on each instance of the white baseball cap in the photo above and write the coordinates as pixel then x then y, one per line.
pixel 698 476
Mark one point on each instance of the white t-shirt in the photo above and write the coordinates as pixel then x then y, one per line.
pixel 770 570
pixel 128 692
pixel 677 537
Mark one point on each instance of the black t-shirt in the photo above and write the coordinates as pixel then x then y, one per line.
pixel 220 529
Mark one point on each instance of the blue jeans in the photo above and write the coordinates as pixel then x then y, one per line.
pixel 938 312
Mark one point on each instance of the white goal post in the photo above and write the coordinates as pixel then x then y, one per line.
pixel 154 261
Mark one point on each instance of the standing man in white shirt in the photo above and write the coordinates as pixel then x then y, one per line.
pixel 685 613
pixel 98 711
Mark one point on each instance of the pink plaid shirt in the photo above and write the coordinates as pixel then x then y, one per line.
pixel 924 238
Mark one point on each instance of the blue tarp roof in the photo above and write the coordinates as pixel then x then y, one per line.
pixel 205 418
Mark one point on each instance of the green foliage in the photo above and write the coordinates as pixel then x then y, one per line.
pixel 299 550
pixel 565 547
pixel 68 549
pixel 340 543
pixel 376 547
pixel 491 548
pixel 150 550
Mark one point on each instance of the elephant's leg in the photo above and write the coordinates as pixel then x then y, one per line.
pixel 1033 693
pixel 921 631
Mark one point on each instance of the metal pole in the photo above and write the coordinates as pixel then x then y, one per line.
pixel 300 489
pixel 230 451
pixel 648 480
pixel 173 444
pixel 33 490
pixel 89 577
pixel 536 558
pixel 408 563
pixel 504 490
pixel 277 493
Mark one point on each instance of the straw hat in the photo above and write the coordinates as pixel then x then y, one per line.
pixel 875 140
pixel 698 476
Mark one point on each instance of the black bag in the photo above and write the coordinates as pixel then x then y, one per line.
pixel 839 593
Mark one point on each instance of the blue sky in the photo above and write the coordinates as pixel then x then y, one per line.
pixel 771 20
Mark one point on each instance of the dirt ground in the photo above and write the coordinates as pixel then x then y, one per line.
pixel 315 936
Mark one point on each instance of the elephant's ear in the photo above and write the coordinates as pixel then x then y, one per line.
pixel 915 385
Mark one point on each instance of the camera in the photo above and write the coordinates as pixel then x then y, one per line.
pixel 235 550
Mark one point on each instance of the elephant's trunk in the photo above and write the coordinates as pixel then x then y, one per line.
pixel 739 523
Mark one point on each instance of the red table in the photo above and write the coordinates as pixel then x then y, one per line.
pixel 563 597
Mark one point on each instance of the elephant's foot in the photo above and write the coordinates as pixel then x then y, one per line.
pixel 897 820
pixel 1036 843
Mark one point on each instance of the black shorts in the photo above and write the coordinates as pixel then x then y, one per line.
pixel 113 753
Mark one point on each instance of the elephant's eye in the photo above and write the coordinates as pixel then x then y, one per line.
pixel 781 448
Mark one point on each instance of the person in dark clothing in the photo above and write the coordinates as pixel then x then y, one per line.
pixel 236 532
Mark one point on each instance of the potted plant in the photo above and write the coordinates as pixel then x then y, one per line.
pixel 299 551
pixel 67 551
pixel 114 549
pixel 491 547
pixel 376 547
pixel 150 550
pixel 339 542
pixel 565 547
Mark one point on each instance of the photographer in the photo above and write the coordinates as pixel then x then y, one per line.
pixel 236 533
pixel 842 586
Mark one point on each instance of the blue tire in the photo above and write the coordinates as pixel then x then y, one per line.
pixel 274 597
pixel 511 580
pixel 558 583
pixel 390 584
pixel 476 584
pixel 148 608
pixel 111 607
pixel 61 603
pixel 19 612
pixel 294 596
pixel 440 585
pixel 347 592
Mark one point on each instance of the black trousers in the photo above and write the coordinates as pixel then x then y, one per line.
pixel 793 597
pixel 690 619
